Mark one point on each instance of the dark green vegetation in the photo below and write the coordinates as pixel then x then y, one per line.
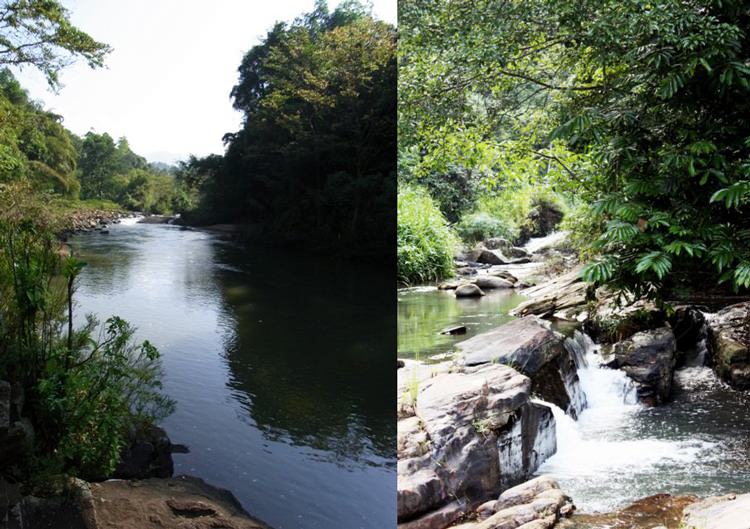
pixel 76 395
pixel 634 113
pixel 314 161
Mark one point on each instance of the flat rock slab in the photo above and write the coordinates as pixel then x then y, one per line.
pixel 525 344
pixel 181 502
pixel 723 512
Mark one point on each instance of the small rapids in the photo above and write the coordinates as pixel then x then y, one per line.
pixel 130 221
pixel 619 451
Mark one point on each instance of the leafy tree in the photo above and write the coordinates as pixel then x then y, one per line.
pixel 315 157
pixel 38 33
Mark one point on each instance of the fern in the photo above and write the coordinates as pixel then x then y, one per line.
pixel 656 261
pixel 733 195
pixel 599 271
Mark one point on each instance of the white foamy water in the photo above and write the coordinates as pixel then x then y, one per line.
pixel 538 243
pixel 607 448
pixel 130 221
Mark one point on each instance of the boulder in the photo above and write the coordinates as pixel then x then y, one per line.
pixel 475 432
pixel 729 340
pixel 649 358
pixel 529 346
pixel 468 291
pixel 149 455
pixel 723 512
pixel 564 297
pixel 486 281
pixel 492 257
pixel 450 284
pixel 536 504
pixel 502 273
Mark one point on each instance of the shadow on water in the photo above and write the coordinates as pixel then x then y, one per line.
pixel 280 363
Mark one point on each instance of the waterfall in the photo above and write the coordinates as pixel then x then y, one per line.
pixel 130 221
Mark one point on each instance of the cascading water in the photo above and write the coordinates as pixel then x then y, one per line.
pixel 618 450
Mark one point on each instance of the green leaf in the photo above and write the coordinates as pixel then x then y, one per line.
pixel 656 261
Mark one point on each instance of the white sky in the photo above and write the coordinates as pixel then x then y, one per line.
pixel 166 84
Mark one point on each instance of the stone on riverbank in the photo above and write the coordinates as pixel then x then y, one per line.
pixel 474 432
pixel 723 512
pixel 536 504
pixel 149 455
pixel 648 358
pixel 183 502
pixel 564 297
pixel 529 346
pixel 729 339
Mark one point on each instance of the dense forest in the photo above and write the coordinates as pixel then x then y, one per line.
pixel 38 149
pixel 630 118
pixel 314 161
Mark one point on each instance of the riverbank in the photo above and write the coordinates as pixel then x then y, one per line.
pixel 653 405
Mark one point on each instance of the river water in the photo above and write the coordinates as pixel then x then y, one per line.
pixel 281 366
pixel 618 451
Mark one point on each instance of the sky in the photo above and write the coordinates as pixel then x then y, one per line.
pixel 166 84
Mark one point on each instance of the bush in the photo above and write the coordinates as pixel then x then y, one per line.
pixel 425 240
pixel 480 226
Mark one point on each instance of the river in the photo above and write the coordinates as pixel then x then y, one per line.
pixel 618 451
pixel 281 366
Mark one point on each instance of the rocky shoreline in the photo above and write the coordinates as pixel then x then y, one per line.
pixel 477 426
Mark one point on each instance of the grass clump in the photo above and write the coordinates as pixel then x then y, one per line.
pixel 426 242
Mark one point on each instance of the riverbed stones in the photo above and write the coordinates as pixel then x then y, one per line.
pixel 730 511
pixel 452 447
pixel 648 358
pixel 468 291
pixel 729 339
pixel 528 345
pixel 491 257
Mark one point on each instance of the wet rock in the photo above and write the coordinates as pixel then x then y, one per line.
pixel 492 282
pixel 149 455
pixel 455 445
pixel 536 504
pixel 469 291
pixel 648 358
pixel 729 339
pixel 456 329
pixel 723 512
pixel 610 323
pixel 503 273
pixel 660 510
pixel 530 347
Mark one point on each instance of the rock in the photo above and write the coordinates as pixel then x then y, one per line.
pixel 541 220
pixel 457 329
pixel 536 504
pixel 648 358
pixel 400 364
pixel 565 297
pixel 647 513
pixel 5 404
pixel 183 502
pixel 528 346
pixel 492 282
pixel 729 340
pixel 492 257
pixel 456 445
pixel 466 271
pixel 451 284
pixel 502 273
pixel 469 291
pixel 149 455
pixel 611 323
pixel 497 243
pixel 724 512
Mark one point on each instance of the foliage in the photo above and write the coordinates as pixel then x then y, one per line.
pixel 83 395
pixel 481 226
pixel 426 242
pixel 638 107
pixel 38 33
pixel 315 157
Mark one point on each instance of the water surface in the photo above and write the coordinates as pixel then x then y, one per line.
pixel 281 366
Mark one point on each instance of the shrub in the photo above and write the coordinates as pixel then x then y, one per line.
pixel 425 240
pixel 480 226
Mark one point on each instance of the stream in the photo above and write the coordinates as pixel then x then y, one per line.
pixel 276 361
pixel 617 451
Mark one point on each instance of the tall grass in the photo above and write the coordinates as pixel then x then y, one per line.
pixel 426 242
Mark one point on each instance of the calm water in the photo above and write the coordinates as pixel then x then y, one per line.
pixel 618 451
pixel 281 366
pixel 424 311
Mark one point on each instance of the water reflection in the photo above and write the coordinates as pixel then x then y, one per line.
pixel 423 312
pixel 281 366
